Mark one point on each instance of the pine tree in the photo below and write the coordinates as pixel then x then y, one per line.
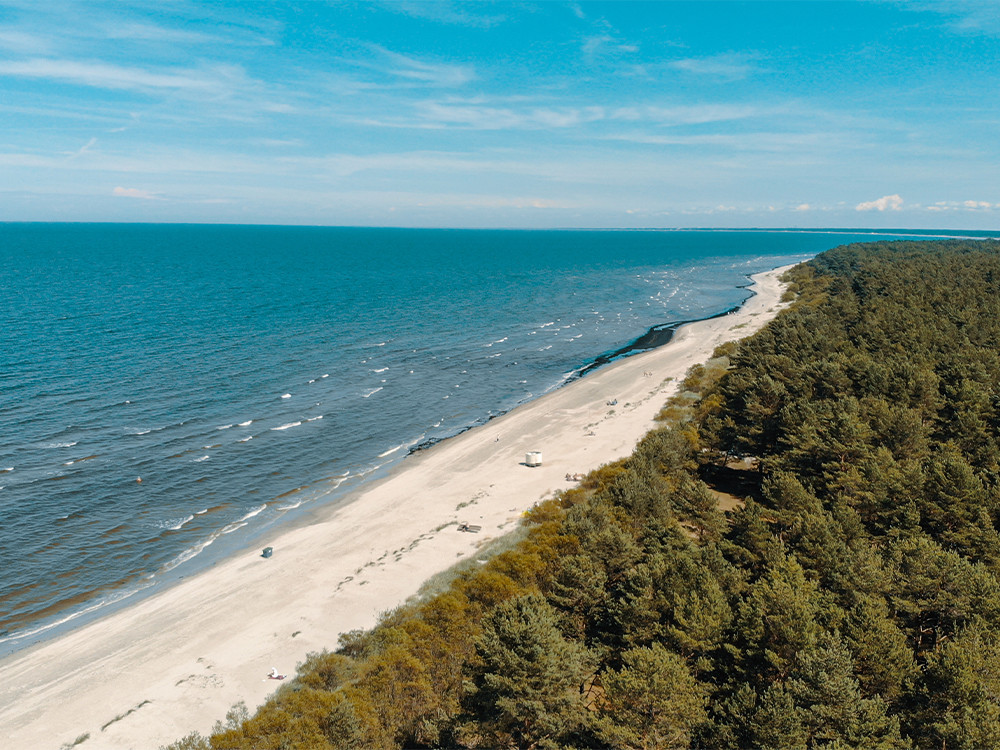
pixel 652 702
pixel 528 689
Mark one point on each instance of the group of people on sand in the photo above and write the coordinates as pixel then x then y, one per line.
pixel 574 477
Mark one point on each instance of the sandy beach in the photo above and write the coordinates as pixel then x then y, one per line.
pixel 175 662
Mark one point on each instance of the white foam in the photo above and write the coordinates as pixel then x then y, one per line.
pixel 246 439
pixel 103 602
pixel 199 460
pixel 313 419
pixel 188 554
pixel 291 506
pixel 201 512
pixel 259 509
pixel 286 395
pixel 224 427
pixel 381 369
pixel 312 381
pixel 383 454
pixel 371 392
pixel 4 471
pixel 247 423
pixel 286 426
pixel 176 524
pixel 327 375
pixel 61 445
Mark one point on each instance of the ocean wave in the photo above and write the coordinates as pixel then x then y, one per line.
pixel 199 460
pixel 77 460
pixel 254 512
pixel 100 603
pixel 224 427
pixel 286 426
pixel 381 369
pixel 383 454
pixel 286 395
pixel 313 419
pixel 62 445
pixel 188 554
pixel 174 524
pixel 247 439
pixel 291 506
pixel 327 375
pixel 247 423
pixel 372 392
pixel 4 471
pixel 235 526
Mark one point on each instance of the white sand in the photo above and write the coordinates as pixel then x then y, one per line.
pixel 176 662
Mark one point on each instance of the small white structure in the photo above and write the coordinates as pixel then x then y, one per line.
pixel 533 458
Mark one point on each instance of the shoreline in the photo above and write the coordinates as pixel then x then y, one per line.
pixel 108 602
pixel 175 661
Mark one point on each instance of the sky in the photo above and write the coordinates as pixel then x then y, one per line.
pixel 502 114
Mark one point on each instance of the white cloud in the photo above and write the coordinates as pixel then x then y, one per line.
pixel 14 40
pixel 103 75
pixel 963 206
pixel 885 203
pixel 803 207
pixel 730 66
pixel 420 71
pixel 123 192
pixel 476 115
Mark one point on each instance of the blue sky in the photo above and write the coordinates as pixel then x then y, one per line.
pixel 505 114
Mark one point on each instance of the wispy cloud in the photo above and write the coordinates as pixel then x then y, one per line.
pixel 885 203
pixel 445 12
pixel 477 116
pixel 731 66
pixel 108 76
pixel 694 114
pixel 416 71
pixel 964 206
pixel 24 42
pixel 124 192
pixel 482 113
pixel 967 17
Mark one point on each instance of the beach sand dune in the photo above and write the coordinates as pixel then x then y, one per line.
pixel 175 662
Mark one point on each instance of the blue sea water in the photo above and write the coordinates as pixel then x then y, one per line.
pixel 250 374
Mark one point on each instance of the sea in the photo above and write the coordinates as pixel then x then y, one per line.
pixel 174 394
